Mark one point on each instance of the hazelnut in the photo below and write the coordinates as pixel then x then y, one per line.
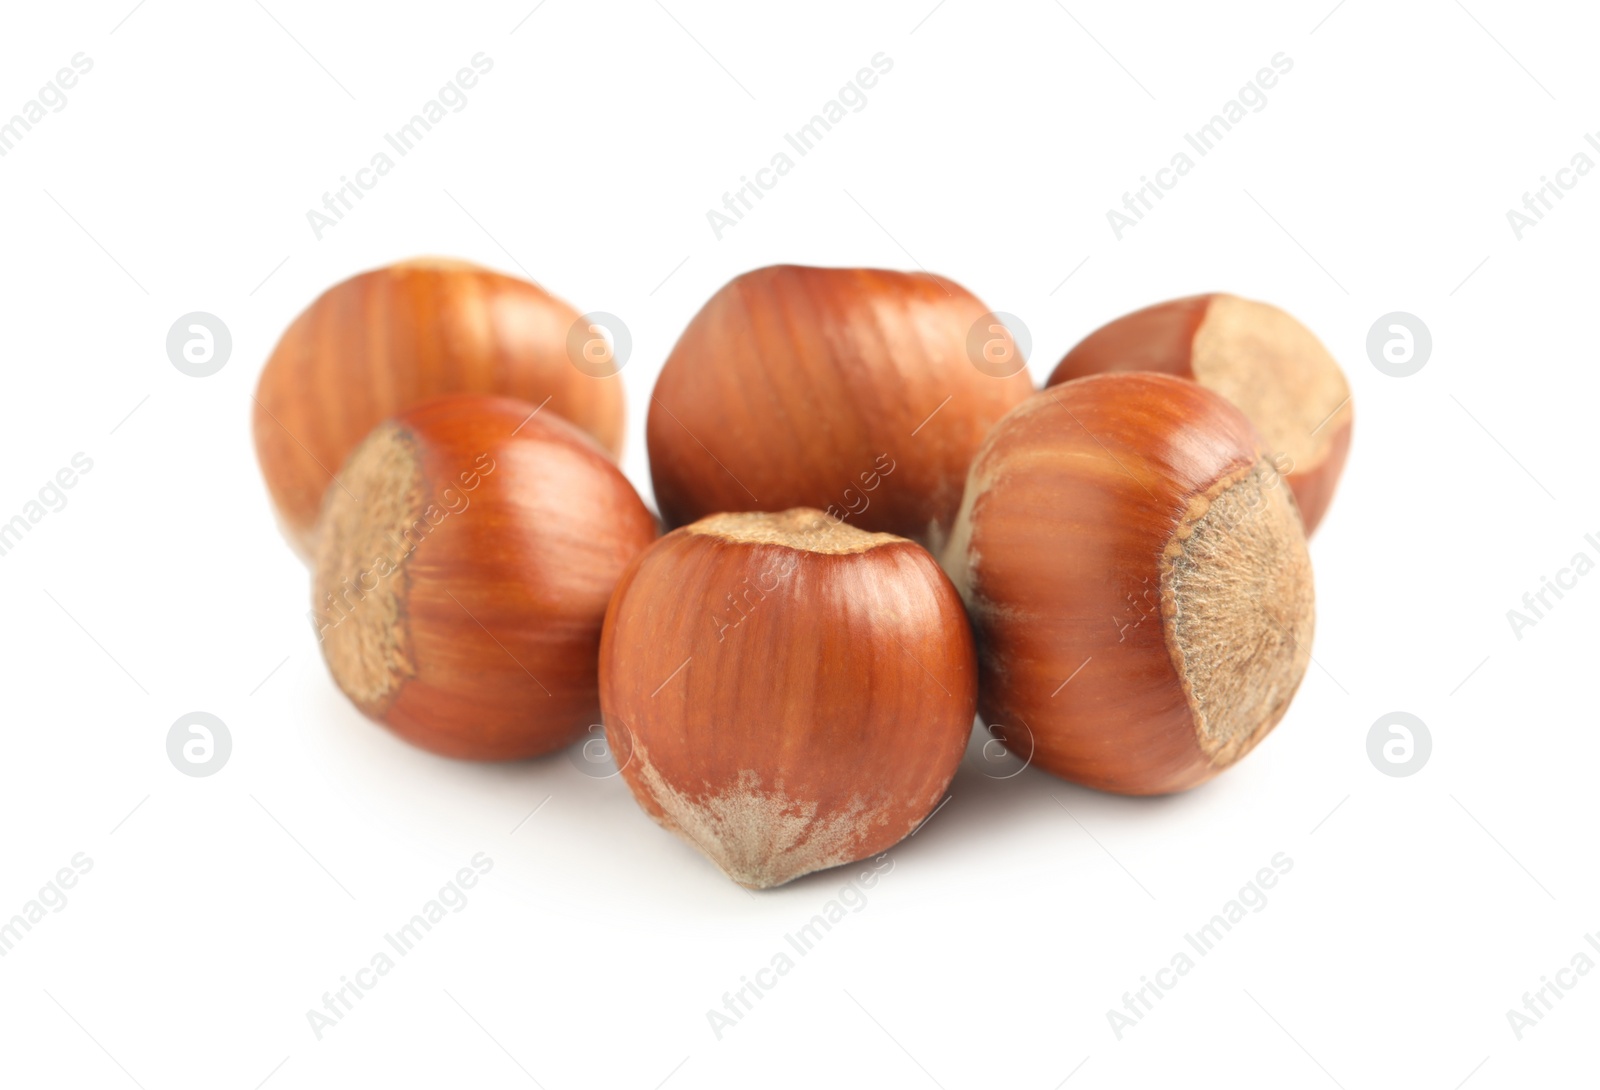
pixel 1255 355
pixel 1138 580
pixel 382 341
pixel 848 390
pixel 464 563
pixel 785 691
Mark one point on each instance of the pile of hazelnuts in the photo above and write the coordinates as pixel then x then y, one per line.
pixel 869 533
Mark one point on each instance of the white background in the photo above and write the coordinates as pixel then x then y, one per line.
pixel 219 910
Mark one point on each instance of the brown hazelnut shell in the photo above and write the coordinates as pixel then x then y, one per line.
pixel 1256 355
pixel 380 342
pixel 464 567
pixel 796 386
pixel 1138 580
pixel 785 692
